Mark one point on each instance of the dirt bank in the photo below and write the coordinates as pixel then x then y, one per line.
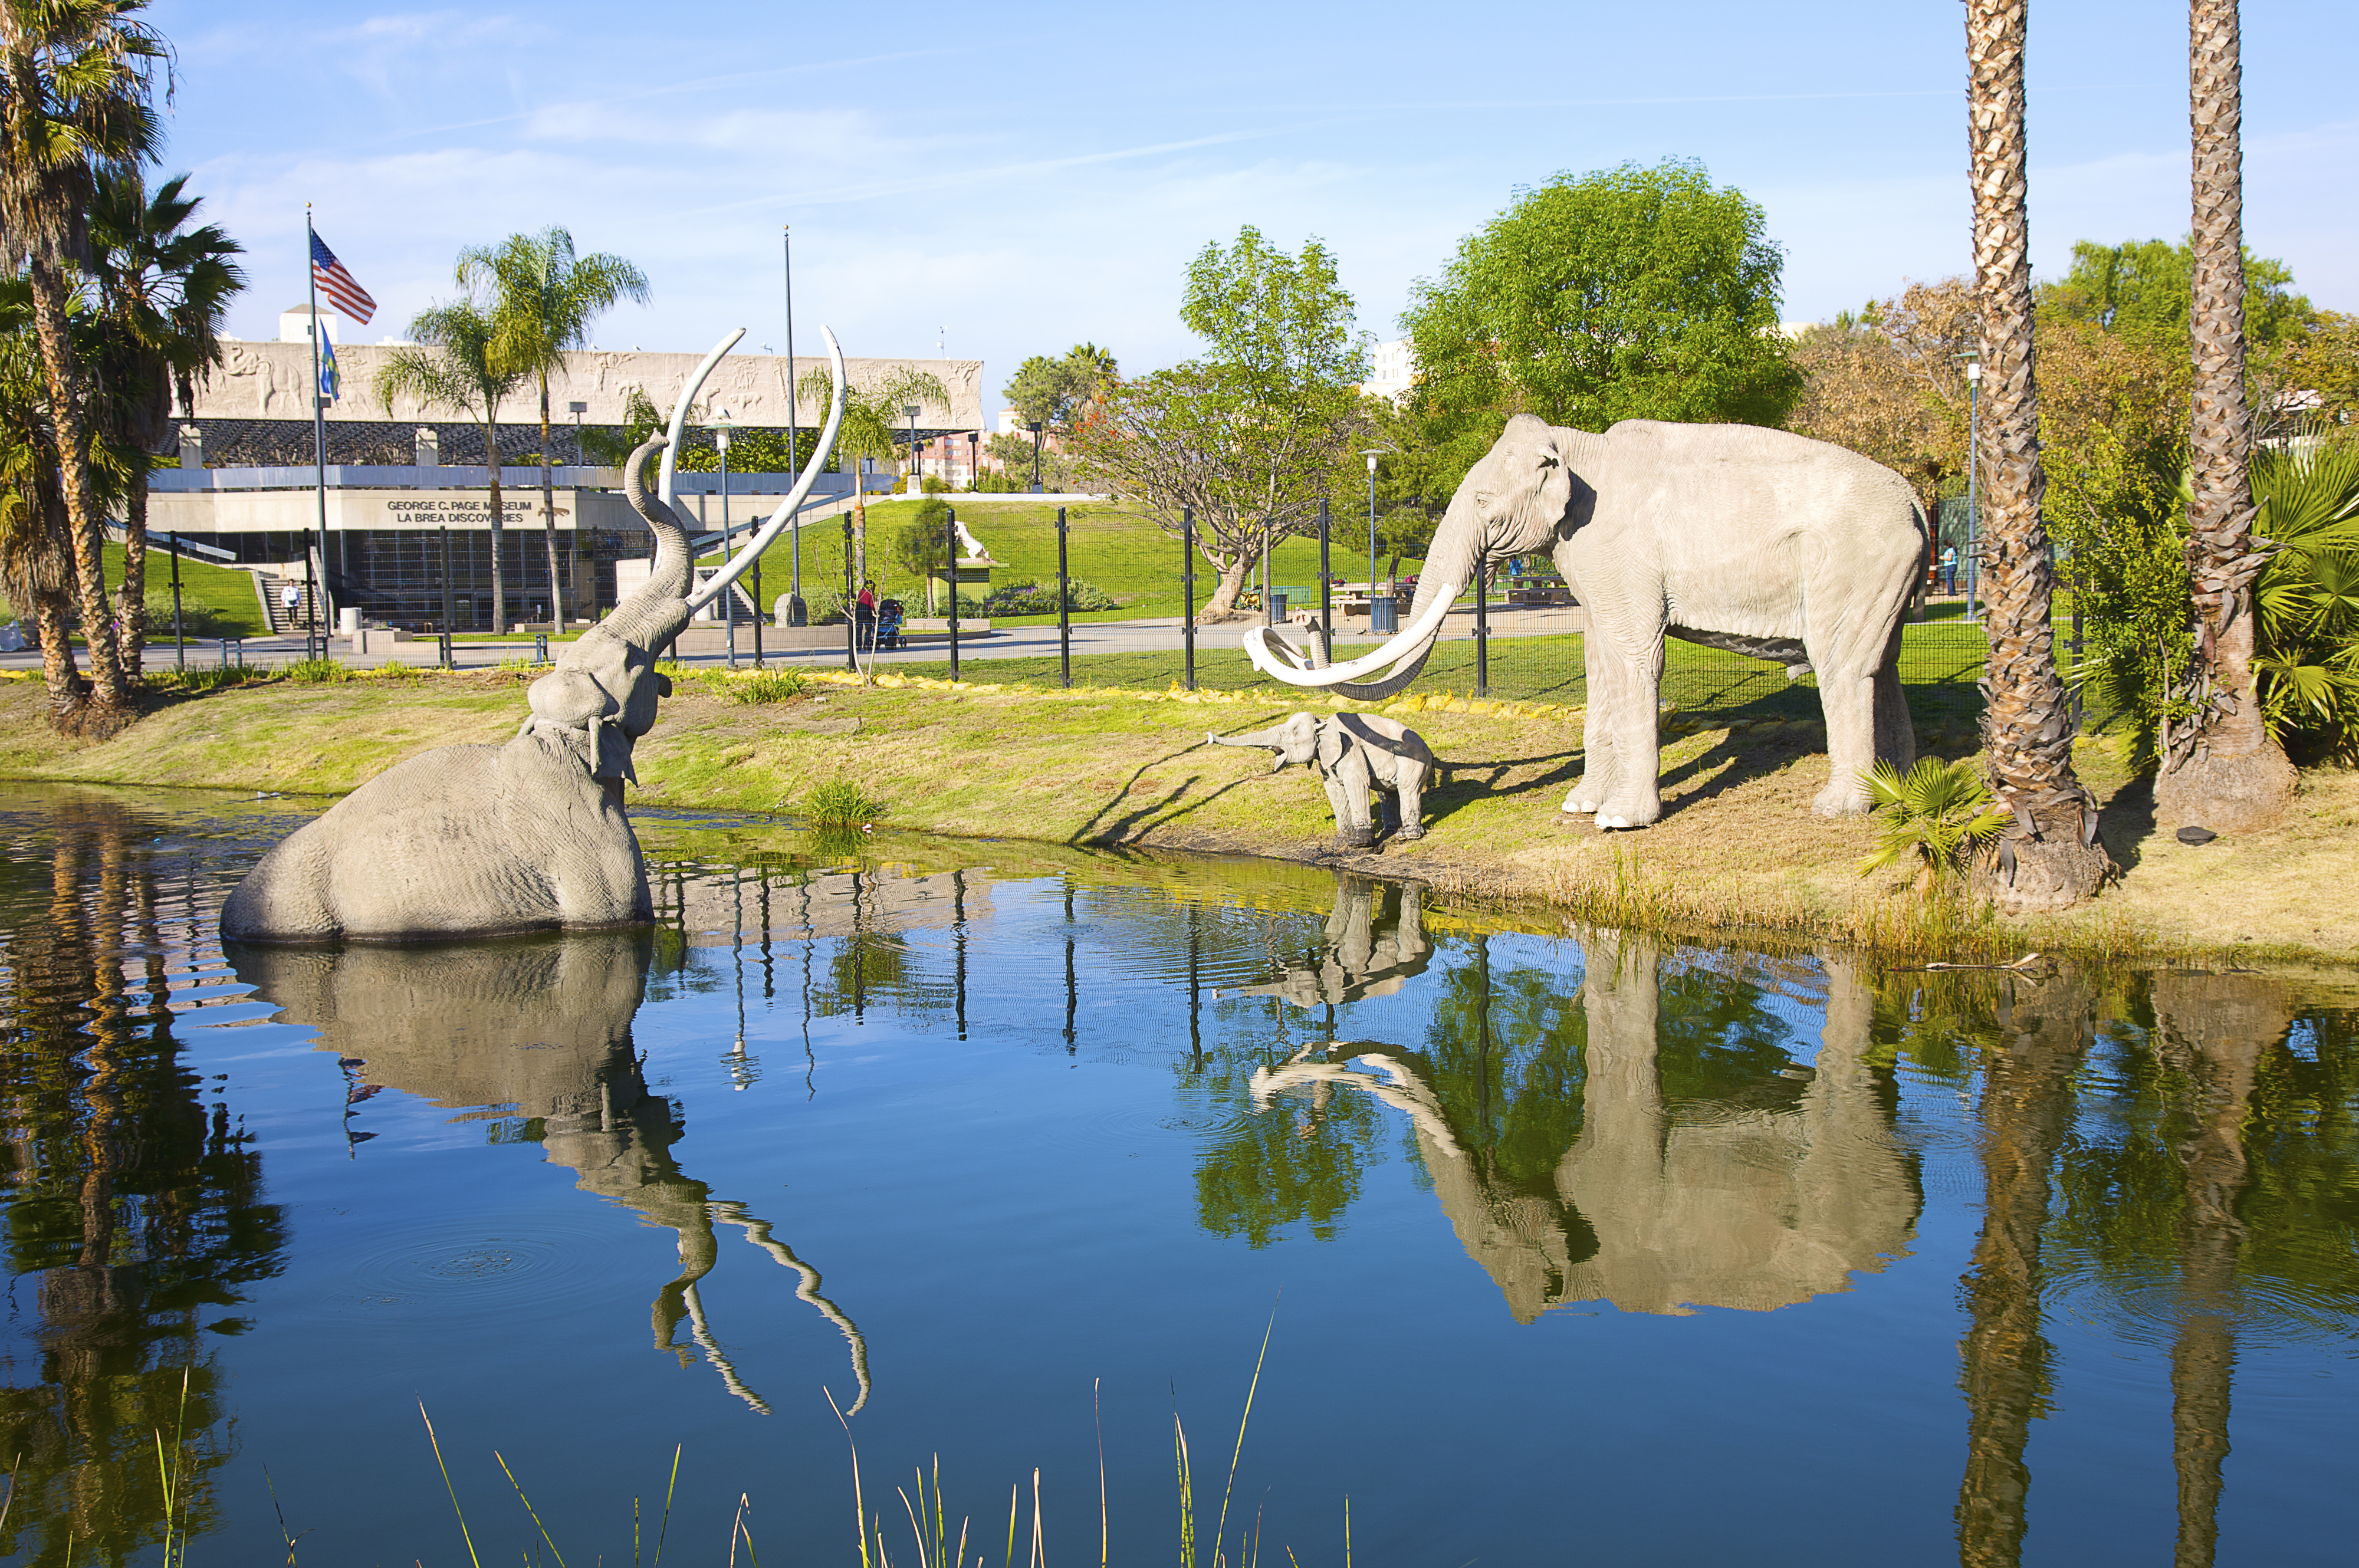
pixel 1738 846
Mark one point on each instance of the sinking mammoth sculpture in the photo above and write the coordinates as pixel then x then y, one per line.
pixel 1754 540
pixel 481 839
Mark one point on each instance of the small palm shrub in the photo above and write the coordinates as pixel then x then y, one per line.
pixel 1939 815
pixel 2306 653
pixel 839 804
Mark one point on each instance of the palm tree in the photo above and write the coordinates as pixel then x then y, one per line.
pixel 162 291
pixel 456 363
pixel 2221 770
pixel 36 551
pixel 2050 859
pixel 872 427
pixel 76 88
pixel 543 300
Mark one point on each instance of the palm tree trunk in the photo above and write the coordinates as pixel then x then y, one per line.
pixel 52 623
pixel 2005 1359
pixel 110 696
pixel 2050 859
pixel 548 514
pixel 2220 768
pixel 499 583
pixel 131 598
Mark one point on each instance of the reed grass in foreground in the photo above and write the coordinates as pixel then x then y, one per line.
pixel 932 1541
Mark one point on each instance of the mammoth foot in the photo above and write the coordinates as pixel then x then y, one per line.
pixel 1842 800
pixel 1354 838
pixel 1615 815
pixel 1409 833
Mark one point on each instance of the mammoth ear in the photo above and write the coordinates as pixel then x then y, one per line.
pixel 1330 744
pixel 663 684
pixel 1546 456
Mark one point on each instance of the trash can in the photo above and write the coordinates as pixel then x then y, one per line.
pixel 1277 605
pixel 1384 616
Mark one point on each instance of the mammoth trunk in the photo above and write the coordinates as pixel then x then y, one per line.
pixel 1449 567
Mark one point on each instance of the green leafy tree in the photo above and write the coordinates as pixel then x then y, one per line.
pixel 1053 392
pixel 77 80
pixel 544 299
pixel 873 426
pixel 1628 293
pixel 922 544
pixel 160 293
pixel 456 364
pixel 2307 656
pixel 1251 436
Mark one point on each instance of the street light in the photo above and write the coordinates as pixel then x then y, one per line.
pixel 721 424
pixel 917 464
pixel 1372 454
pixel 973 459
pixel 1035 428
pixel 581 534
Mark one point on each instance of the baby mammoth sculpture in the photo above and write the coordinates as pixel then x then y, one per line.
pixel 1754 540
pixel 475 839
pixel 1360 756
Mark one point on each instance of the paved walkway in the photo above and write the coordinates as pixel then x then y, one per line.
pixel 1150 635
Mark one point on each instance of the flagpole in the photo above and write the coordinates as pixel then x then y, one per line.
pixel 794 442
pixel 319 552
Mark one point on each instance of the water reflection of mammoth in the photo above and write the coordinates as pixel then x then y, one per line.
pixel 543 1027
pixel 1661 1204
pixel 1375 942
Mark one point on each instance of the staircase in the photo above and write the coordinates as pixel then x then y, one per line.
pixel 273 593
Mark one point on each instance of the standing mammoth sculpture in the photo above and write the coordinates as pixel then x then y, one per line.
pixel 1754 540
pixel 1361 757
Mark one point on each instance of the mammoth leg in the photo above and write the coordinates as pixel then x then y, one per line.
pixel 1631 668
pixel 1596 779
pixel 1347 792
pixel 1852 636
pixel 1896 732
pixel 1409 785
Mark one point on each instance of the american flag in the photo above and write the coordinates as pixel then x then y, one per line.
pixel 343 291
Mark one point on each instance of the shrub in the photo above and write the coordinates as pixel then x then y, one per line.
pixel 318 672
pixel 1031 599
pixel 1941 813
pixel 209 678
pixel 762 686
pixel 841 803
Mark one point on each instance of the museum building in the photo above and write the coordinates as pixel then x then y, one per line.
pixel 406 491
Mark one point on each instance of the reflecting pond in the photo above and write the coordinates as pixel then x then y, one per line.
pixel 1568 1244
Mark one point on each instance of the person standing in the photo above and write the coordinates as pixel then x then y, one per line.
pixel 290 598
pixel 1950 568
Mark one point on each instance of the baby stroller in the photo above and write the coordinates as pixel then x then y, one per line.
pixel 888 623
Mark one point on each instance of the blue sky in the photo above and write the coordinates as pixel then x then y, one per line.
pixel 1010 180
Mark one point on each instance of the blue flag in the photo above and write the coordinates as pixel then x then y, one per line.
pixel 329 387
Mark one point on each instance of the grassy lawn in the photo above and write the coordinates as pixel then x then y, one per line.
pixel 1939 666
pixel 227 594
pixel 1127 556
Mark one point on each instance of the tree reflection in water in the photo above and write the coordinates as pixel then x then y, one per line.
pixel 138 1213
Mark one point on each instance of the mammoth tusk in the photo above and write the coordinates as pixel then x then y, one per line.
pixel 785 516
pixel 1283 667
pixel 688 391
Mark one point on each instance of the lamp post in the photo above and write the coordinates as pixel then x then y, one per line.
pixel 917 464
pixel 974 457
pixel 1035 428
pixel 721 424
pixel 1372 454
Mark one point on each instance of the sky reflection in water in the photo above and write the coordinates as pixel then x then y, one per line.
pixel 1582 1246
